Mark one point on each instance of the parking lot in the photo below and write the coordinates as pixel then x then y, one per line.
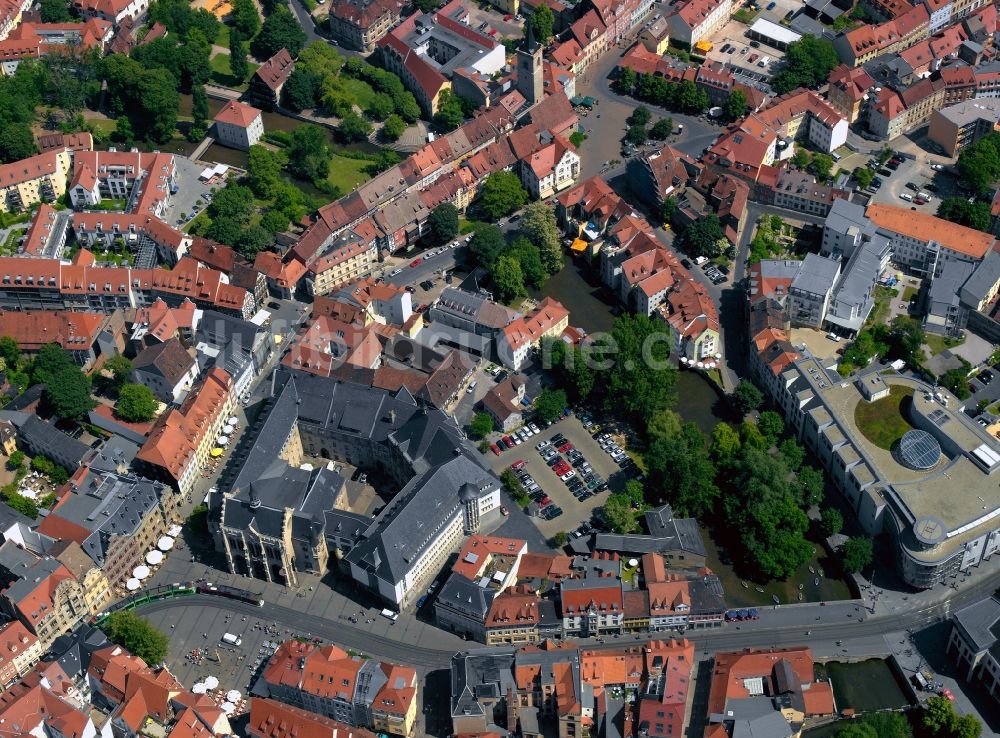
pixel 743 58
pixel 575 512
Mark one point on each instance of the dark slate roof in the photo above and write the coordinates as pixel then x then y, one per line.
pixel 979 622
pixel 48 440
pixel 476 672
pixel 73 650
pixel 346 524
pixel 666 533
pixel 27 398
pixel 406 526
pixel 108 505
pixel 465 596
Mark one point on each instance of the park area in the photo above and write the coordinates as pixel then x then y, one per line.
pixel 884 422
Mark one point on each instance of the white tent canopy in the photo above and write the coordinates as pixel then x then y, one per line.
pixel 211 682
pixel 132 585
pixel 141 572
pixel 165 543
pixel 233 695
pixel 175 530
pixel 199 688
pixel 154 557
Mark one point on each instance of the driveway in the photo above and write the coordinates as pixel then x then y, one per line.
pixel 574 511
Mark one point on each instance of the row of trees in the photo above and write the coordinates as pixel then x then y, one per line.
pixel 684 97
pixel 524 261
pixel 807 63
pixel 936 719
pixel 975 214
pixel 979 164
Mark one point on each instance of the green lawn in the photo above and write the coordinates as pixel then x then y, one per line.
pixel 222 75
pixel 909 293
pixel 466 226
pixel 937 343
pixel 111 205
pixel 223 37
pixel 882 421
pixel 9 247
pixel 361 91
pixel 346 173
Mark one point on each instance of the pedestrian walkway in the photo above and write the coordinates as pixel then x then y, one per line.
pixel 202 147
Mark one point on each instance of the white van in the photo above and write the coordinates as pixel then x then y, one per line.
pixel 232 640
pixel 906 196
pixel 387 613
pixel 472 387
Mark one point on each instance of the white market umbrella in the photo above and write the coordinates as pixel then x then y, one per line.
pixel 233 419
pixel 233 695
pixel 132 585
pixel 222 440
pixel 701 365
pixel 175 530
pixel 633 562
pixel 684 360
pixel 211 682
pixel 140 572
pixel 228 707
pixel 165 543
pixel 718 356
pixel 154 557
pixel 199 688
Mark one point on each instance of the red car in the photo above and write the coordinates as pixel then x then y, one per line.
pixel 507 442
pixel 495 449
pixel 560 469
pixel 566 447
pixel 508 17
pixel 519 464
pixel 544 501
pixel 416 262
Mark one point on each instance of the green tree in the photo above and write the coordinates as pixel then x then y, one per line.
pixel 979 164
pixel 42 464
pixel 309 153
pixel 123 130
pixel 443 223
pixel 244 18
pixel 353 128
pixel 16 460
pixel 238 63
pixel 626 80
pixel 197 522
pixel 746 397
pixel 702 237
pixel 24 505
pixel 792 453
pixel 636 135
pixel 957 381
pixel 502 194
pixel 809 486
pixel 821 165
pixel 857 554
pixel 508 279
pixel 539 226
pixel 974 214
pixel 662 129
pixel 939 720
pixel 531 262
pixel 542 22
pixel 683 471
pixel 640 379
pixel 619 513
pixel 120 368
pixel 300 90
pixel 831 522
pixel 482 425
pixel 281 30
pixel 640 116
pixel 736 105
pixel 670 208
pixel 807 63
pixel 725 444
pixel 550 403
pixel 906 339
pixel 264 171
pixel 863 176
pixel 449 115
pixel 194 58
pixel 559 539
pixel 50 360
pixel 426 6
pixel 577 138
pixel 274 221
pixel 9 351
pixel 16 142
pixel 54 11
pixel 393 128
pixel 380 106
pixel 159 102
pixel 801 158
pixel 487 244
pixel 252 240
pixel 68 393
pixel 233 201
pixel 137 636
pixel 199 107
pixel 771 426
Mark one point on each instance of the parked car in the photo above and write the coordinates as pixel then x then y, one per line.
pixel 495 449
pixel 517 465
pixel 417 262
